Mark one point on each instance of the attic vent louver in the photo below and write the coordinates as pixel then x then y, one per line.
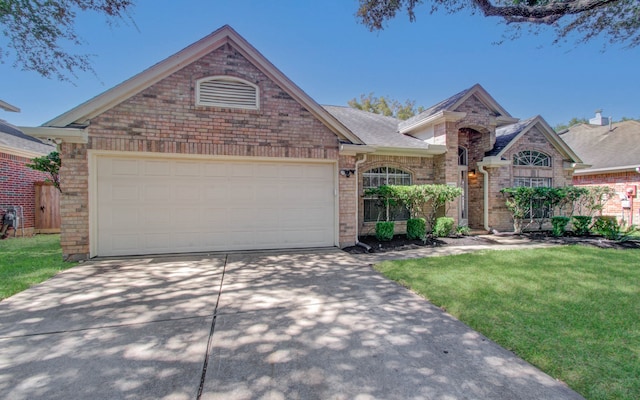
pixel 225 91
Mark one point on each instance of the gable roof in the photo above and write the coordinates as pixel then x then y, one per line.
pixel 14 141
pixel 379 131
pixel 80 115
pixel 606 149
pixel 451 104
pixel 508 135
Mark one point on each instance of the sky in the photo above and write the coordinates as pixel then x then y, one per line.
pixel 322 47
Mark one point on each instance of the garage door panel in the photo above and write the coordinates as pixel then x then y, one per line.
pixel 122 167
pixel 220 170
pixel 188 192
pixel 125 243
pixel 215 218
pixel 157 168
pixel 157 242
pixel 166 206
pixel 119 218
pixel 124 193
pixel 155 193
pixel 188 169
pixel 155 217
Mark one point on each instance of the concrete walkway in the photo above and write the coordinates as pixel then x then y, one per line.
pixel 304 325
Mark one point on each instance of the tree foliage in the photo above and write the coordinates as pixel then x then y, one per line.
pixel 573 121
pixel 567 200
pixel 385 106
pixel 36 33
pixel 49 164
pixel 618 20
pixel 424 201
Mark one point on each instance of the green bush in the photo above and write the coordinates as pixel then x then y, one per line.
pixel 443 227
pixel 607 226
pixel 462 230
pixel 416 228
pixel 384 230
pixel 559 225
pixel 581 225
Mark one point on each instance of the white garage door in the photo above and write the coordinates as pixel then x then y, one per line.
pixel 153 206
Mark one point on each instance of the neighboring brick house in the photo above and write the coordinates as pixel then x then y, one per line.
pixel 612 149
pixel 215 149
pixel 16 179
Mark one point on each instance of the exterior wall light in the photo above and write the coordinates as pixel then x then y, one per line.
pixel 347 172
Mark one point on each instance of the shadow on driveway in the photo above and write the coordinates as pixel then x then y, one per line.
pixel 304 325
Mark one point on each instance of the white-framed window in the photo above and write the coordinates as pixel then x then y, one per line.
pixel 531 158
pixel 228 92
pixel 375 177
pixel 537 209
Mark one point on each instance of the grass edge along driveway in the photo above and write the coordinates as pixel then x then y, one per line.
pixel 25 262
pixel 572 311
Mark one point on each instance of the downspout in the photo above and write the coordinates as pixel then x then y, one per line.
pixel 367 247
pixel 485 190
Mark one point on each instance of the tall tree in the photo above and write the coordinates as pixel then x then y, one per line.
pixel 387 107
pixel 617 20
pixel 36 32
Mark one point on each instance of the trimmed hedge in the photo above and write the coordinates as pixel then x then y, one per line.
pixel 443 227
pixel 416 228
pixel 384 230
pixel 559 225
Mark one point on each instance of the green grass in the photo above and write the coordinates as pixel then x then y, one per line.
pixel 574 311
pixel 25 262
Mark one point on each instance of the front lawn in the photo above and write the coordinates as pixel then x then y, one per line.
pixel 25 262
pixel 572 311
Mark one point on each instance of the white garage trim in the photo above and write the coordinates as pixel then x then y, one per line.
pixel 94 157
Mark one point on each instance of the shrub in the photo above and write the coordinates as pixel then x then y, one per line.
pixel 384 230
pixel 559 225
pixel 462 230
pixel 581 225
pixel 416 228
pixel 607 226
pixel 443 227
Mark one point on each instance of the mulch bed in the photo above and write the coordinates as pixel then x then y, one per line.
pixel 401 243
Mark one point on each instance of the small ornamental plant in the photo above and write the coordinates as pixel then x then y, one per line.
pixel 559 225
pixel 443 227
pixel 416 228
pixel 384 230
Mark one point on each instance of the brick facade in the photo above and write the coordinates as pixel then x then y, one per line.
pixel 619 181
pixel 499 217
pixel 17 187
pixel 165 119
pixel 422 170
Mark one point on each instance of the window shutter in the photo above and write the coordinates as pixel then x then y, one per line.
pixel 227 92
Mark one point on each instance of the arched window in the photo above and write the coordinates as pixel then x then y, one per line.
pixel 228 92
pixel 531 158
pixel 373 211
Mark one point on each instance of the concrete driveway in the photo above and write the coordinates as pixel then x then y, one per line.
pixel 305 325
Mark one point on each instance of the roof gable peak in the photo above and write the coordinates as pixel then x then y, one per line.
pixel 82 114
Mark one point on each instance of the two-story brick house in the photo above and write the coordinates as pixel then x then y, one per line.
pixel 215 149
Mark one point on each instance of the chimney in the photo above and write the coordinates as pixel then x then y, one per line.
pixel 599 119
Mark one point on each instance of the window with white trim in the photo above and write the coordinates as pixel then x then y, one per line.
pixel 531 158
pixel 375 177
pixel 227 92
pixel 537 209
